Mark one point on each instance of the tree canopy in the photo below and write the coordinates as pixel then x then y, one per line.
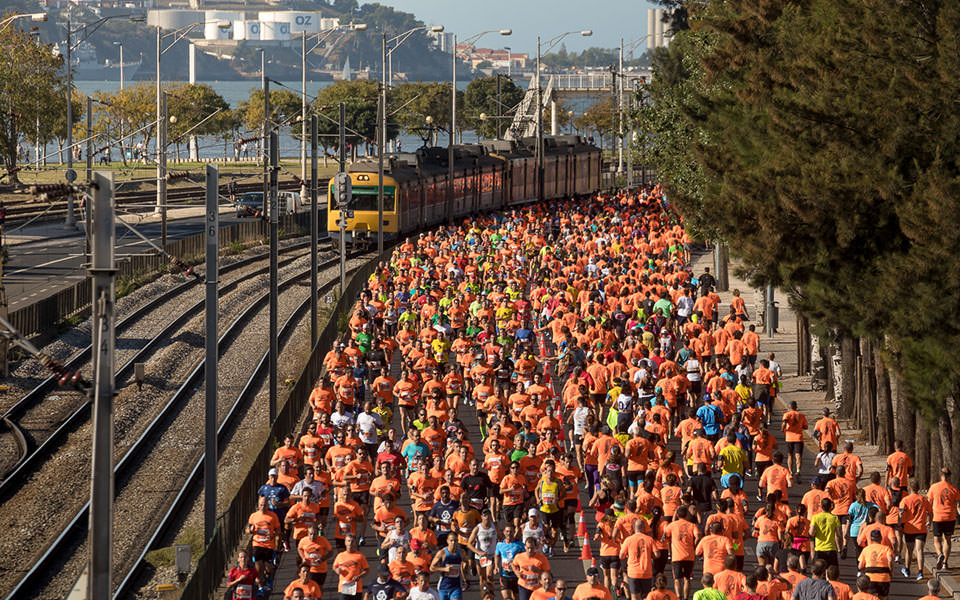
pixel 481 97
pixel 815 138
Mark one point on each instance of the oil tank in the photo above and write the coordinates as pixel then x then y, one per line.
pixel 274 30
pixel 170 18
pixel 307 22
pixel 246 30
pixel 214 18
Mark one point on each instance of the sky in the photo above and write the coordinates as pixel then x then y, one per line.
pixel 609 19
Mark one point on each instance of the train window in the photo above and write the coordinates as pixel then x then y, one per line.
pixel 365 197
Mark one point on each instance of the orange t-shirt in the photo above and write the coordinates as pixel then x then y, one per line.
pixel 766 529
pixel 714 549
pixel 528 568
pixel 729 582
pixel 914 510
pixel 943 498
pixel 775 477
pixel 349 565
pixel 794 422
pixel 661 595
pixel 683 536
pixel 638 551
pixel 899 465
pixel 266 525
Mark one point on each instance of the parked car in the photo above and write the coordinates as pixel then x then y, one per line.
pixel 250 204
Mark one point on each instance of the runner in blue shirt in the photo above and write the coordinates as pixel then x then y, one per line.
pixel 503 555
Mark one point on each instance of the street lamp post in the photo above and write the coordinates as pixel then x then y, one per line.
pixel 161 207
pixel 322 37
pixel 386 55
pixel 453 113
pixel 539 149
pixel 71 174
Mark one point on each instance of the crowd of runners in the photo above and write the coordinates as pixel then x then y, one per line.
pixel 622 412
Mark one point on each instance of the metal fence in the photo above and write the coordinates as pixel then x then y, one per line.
pixel 43 315
pixel 232 523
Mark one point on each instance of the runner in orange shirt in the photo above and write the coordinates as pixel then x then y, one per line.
pixel 352 567
pixel 826 430
pixel 793 425
pixel 637 550
pixel 714 548
pixel 264 527
pixel 915 511
pixel 944 499
pixel 683 536
pixel 899 465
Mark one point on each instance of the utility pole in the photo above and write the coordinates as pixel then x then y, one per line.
pixel 162 172
pixel 4 311
pixel 314 231
pixel 618 89
pixel 211 279
pixel 342 210
pixel 630 138
pixel 303 115
pixel 103 271
pixel 274 292
pixel 499 106
pixel 539 147
pixel 89 173
pixel 382 142
pixel 264 145
pixel 768 319
pixel 453 128
pixel 71 174
pixel 89 179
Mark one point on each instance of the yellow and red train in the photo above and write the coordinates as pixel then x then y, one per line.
pixel 488 176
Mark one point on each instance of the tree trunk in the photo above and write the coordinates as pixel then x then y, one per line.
pixel 831 372
pixel 921 459
pixel 848 376
pixel 869 386
pixel 885 418
pixel 905 424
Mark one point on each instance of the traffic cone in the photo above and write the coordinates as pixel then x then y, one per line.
pixel 586 556
pixel 581 527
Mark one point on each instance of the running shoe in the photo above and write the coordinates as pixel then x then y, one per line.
pixel 940 560
pixel 905 572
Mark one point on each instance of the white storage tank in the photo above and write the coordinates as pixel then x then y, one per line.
pixel 329 23
pixel 300 21
pixel 173 18
pixel 274 30
pixel 246 30
pixel 214 19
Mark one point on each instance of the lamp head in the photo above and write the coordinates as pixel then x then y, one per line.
pixel 429 120
pixel 359 26
pixel 483 116
pixel 38 17
pixel 506 32
pixel 586 32
pixel 437 28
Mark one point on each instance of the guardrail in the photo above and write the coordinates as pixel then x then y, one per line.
pixel 232 523
pixel 43 315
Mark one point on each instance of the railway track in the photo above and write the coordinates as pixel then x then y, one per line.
pixel 178 421
pixel 18 211
pixel 38 437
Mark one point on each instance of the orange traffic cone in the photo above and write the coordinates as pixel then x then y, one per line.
pixel 581 526
pixel 586 555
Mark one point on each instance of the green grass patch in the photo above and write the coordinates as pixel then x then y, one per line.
pixel 165 557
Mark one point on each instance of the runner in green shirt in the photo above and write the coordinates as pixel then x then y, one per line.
pixel 708 592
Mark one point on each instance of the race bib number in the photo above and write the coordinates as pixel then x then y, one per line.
pixel 348 588
pixel 485 562
pixel 244 590
pixel 454 571
pixel 549 498
pixel 345 527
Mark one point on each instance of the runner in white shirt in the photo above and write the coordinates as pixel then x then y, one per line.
pixel 422 590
